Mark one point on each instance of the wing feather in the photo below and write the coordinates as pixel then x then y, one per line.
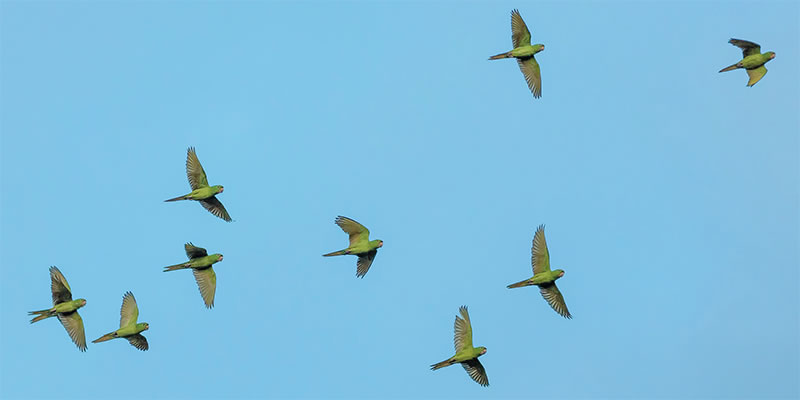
pixel 553 296
pixel 520 35
pixel 138 341
pixel 193 251
pixel 756 74
pixel 129 312
pixel 748 48
pixel 59 286
pixel 358 233
pixel 533 77
pixel 194 171
pixel 540 256
pixel 364 262
pixel 207 283
pixel 73 323
pixel 476 371
pixel 462 339
pixel 214 206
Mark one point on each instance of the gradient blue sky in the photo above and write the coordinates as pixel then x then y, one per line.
pixel 670 194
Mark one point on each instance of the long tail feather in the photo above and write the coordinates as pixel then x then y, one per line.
pixel 106 337
pixel 731 68
pixel 177 267
pixel 336 253
pixel 177 198
pixel 501 56
pixel 445 363
pixel 40 315
pixel 524 283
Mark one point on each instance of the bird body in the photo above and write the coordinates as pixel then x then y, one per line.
pixel 524 52
pixel 200 263
pixel 543 277
pixel 360 245
pixel 466 354
pixel 128 327
pixel 753 60
pixel 65 308
pixel 201 191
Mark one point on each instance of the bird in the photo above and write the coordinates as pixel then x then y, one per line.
pixel 360 245
pixel 201 191
pixel 64 308
pixel 200 263
pixel 753 60
pixel 128 328
pixel 524 52
pixel 465 353
pixel 543 276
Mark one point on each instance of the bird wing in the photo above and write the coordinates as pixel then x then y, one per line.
pixel 73 323
pixel 364 262
pixel 138 341
pixel 358 233
pixel 553 296
pixel 207 283
pixel 540 256
pixel 59 287
pixel 476 371
pixel 748 48
pixel 129 312
pixel 756 74
pixel 462 339
pixel 194 171
pixel 193 251
pixel 520 35
pixel 530 69
pixel 214 206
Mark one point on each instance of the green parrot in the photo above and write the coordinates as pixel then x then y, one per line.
pixel 360 245
pixel 543 276
pixel 465 353
pixel 753 60
pixel 64 308
pixel 200 263
pixel 128 328
pixel 524 53
pixel 201 192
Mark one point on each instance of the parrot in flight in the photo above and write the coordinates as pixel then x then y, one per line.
pixel 753 60
pixel 543 276
pixel 465 353
pixel 128 328
pixel 206 195
pixel 200 263
pixel 64 308
pixel 524 52
pixel 360 245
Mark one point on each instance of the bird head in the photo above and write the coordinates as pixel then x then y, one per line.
pixel 146 326
pixel 380 243
pixel 559 273
pixel 482 349
pixel 81 302
pixel 771 54
pixel 219 257
pixel 220 189
pixel 538 47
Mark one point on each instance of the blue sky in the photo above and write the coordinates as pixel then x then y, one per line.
pixel 669 191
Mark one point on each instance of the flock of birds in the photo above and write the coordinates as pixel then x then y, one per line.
pixel 66 309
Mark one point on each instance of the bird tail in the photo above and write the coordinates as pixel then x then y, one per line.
pixel 106 337
pixel 524 283
pixel 731 68
pixel 446 363
pixel 176 267
pixel 501 56
pixel 40 315
pixel 336 253
pixel 185 197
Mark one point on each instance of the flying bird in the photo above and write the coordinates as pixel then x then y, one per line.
pixel 465 353
pixel 64 308
pixel 201 192
pixel 360 245
pixel 128 328
pixel 524 53
pixel 200 263
pixel 543 276
pixel 753 60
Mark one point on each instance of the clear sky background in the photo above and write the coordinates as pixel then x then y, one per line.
pixel 669 191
